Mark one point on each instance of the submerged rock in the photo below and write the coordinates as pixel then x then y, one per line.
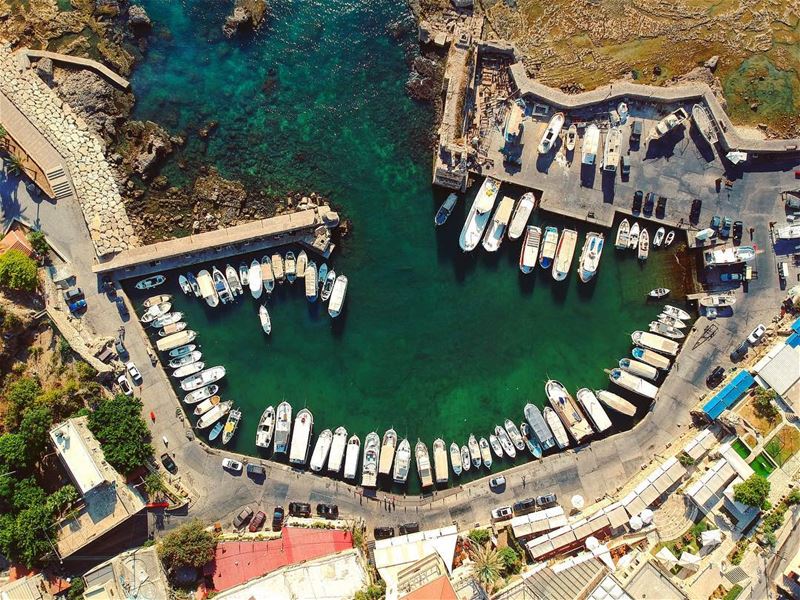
pixel 247 15
pixel 138 19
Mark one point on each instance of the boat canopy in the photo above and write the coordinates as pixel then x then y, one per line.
pixel 487 196
pixel 503 213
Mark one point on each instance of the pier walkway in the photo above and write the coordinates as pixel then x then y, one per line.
pixel 77 61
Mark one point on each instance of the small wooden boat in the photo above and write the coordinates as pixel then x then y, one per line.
pixel 215 431
pixel 201 394
pixel 244 274
pixel 206 405
pixel 440 471
pixel 194 283
pixel 474 450
pixel 327 286
pixel 659 361
pixel 669 239
pixel 266 322
pixel 655 342
pixel 266 427
pixel 633 237
pixel 183 282
pixel 189 369
pixel 455 458
pixel 703 122
pixel 571 137
pixel 311 281
pixel 402 462
pixel 671 321
pixel 214 415
pixel 615 402
pixel 486 453
pixel 233 281
pixel 267 276
pixel 185 360
pixel 638 368
pixel 549 246
pixel 176 339
pixel 495 444
pixel 551 133
pixel 255 279
pixel 556 426
pixel 466 463
pixel 319 456
pixel 302 264
pixel 221 285
pixel 718 300
pixel 514 434
pixel 171 328
pixel 658 293
pixel 203 378
pixel 338 447
pixel 445 210
pixel 322 274
pixel 150 282
pixel 658 239
pixel 167 319
pixel 674 311
pixel 290 263
pixel 182 350
pixel 522 212
pixel 644 244
pixel 505 441
pixel 623 231
pixel 337 296
pixel 159 310
pixel 155 300
pixel 632 383
pixel 666 330
pixel 530 249
pixel 277 267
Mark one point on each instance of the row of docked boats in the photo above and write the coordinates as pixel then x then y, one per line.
pixel 637 238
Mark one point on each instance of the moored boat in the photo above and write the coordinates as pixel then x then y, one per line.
pixel 566 408
pixel 718 300
pixel 234 416
pixel 621 241
pixel 551 133
pixel 388 446
pixel 337 296
pixel 658 293
pixel 505 441
pixel 310 277
pixel 233 281
pixel 351 457
pixel 206 405
pixel 632 383
pixel 564 254
pixel 571 137
pixel 267 277
pixel 633 237
pixel 514 434
pixel 455 458
pixel 556 426
pixel 171 342
pixel 201 394
pixel 156 300
pixel 671 321
pixel 423 464
pixel 264 319
pixel 221 285
pixel 674 311
pixel 594 411
pixel 638 368
pixel 208 290
pixel 445 210
pixel 669 239
pixel 266 427
pixel 531 443
pixel 302 264
pixel 150 282
pixel 244 274
pixel 171 328
pixel 549 245
pixel 283 427
pixel 167 319
pixel 590 256
pixel 321 450
pixel 497 228
pixel 728 256
pixel 193 283
pixel 338 447
pixel 215 431
pixel 327 285
pixel 277 267
pixel 301 437
pixel 190 357
pixel 402 462
pixel 182 350
pixel 156 311
pixel 615 402
pixel 591 141
pixel 440 469
pixel 290 264
pixel 479 213
pixel 254 279
pixel 644 244
pixel 214 415
pixel 522 213
pixel 658 238
pixel 655 342
pixel 539 427
pixel 652 358
pixel 530 249
pixel 497 448
pixel 666 330
pixel 466 463
pixel 474 450
pixel 486 453
pixel 322 274
pixel 189 369
pixel 203 378
pixel 369 468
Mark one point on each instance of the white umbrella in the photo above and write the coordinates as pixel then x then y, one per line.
pixel 712 537
pixel 577 502
pixel 592 542
pixel 646 516
pixel 666 556
pixel 635 523
pixel 690 561
pixel 736 157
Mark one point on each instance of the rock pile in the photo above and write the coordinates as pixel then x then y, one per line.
pixel 247 15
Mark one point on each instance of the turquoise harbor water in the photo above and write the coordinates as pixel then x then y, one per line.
pixel 432 342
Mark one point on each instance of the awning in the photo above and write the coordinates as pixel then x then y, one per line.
pixel 711 538
pixel 729 394
pixel 736 157
pixel 690 561
pixel 667 557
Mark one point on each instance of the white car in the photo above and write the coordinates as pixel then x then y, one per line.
pixel 497 482
pixel 125 385
pixel 502 513
pixel 134 373
pixel 756 335
pixel 231 465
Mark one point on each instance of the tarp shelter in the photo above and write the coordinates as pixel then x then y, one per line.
pixel 666 556
pixel 712 537
pixel 729 394
pixel 689 561
pixel 736 157
pixel 646 516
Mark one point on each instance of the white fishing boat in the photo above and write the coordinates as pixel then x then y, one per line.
pixel 171 328
pixel 222 286
pixel 369 468
pixel 567 409
pixel 479 213
pixel 301 437
pixel 445 210
pixel 283 427
pixel 156 300
pixel 321 450
pixel 672 121
pixel 556 426
pixel 327 285
pixel 233 281
pixel 611 152
pixel 206 405
pixel 322 274
pixel 474 450
pixel 486 453
pixel 277 267
pixel 267 277
pixel 632 383
pixel 633 237
pixel 266 428
pixel 571 137
pixel 615 402
pixel 704 124
pixel 655 342
pixel 351 457
pixel 666 330
pixel 497 447
pixel 311 281
pixel 189 369
pixel 402 462
pixel 388 447
pixel 255 282
pixel 337 296
pixel 440 469
pixel 214 415
pixel 671 321
pixel 621 241
pixel 207 288
pixel 186 359
pixel 549 246
pixel 203 378
pixel 154 312
pixel 590 256
pixel 539 426
pixel 658 293
pixel 167 319
pixel 182 350
pixel 338 447
pixel 718 300
pixel 564 254
pixel 591 141
pixel 290 264
pixel 455 459
pixel 593 409
pixel 551 133
pixel 654 359
pixel 514 434
pixel 530 249
pixel 674 311
pixel 466 463
pixel 658 238
pixel 494 234
pixel 244 274
pixel 505 441
pixel 423 464
pixel 302 264
pixel 638 368
pixel 522 212
pixel 150 282
pixel 644 244
pixel 201 394
pixel 184 284
pixel 234 416
pixel 533 445
pixel 195 286
pixel 669 239
pixel 176 339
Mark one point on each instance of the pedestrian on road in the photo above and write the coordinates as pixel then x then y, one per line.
pixel 152 416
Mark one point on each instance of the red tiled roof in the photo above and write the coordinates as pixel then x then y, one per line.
pixel 438 589
pixel 15 240
pixel 235 563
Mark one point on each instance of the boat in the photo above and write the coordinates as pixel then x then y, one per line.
pixel 513 128
pixel 621 241
pixel 632 383
pixel 203 378
pixel 440 469
pixel 505 441
pixel 388 447
pixel 455 459
pixel 338 447
pixel 351 457
pixel 215 431
pixel 669 239
pixel 263 317
pixel 337 296
pixel 327 286
pixel 566 408
pixel 189 369
pixel 622 111
pixel 633 237
pixel 668 123
pixel 195 285
pixel 277 267
pixel 549 245
pixel 556 426
pixel 167 319
pixel 718 300
pixel 474 451
pixel 655 342
pixel 322 274
pixel 445 210
pixel 214 415
pixel 658 238
pixel 666 330
pixel 244 274
pixel 182 350
pixel 514 434
pixel 496 446
pixel 423 464
pixel 176 339
pixel 267 278
pixel 222 286
pixel 671 321
pixel 530 249
pixel 206 405
pixel 486 453
pixel 290 264
pixel 254 280
pixel 522 212
pixel 551 133
pixel 321 451
pixel 658 293
pixel 704 125
pixel 208 290
pixel 479 213
pixel 571 137
pixel 301 437
pixel 644 244
pixel 310 277
pixel 674 311
pixel 611 150
pixel 466 463
pixel 201 394
pixel 234 416
pixel 593 409
pixel 154 312
pixel 369 468
pixel 564 254
pixel 659 361
pixel 615 402
pixel 233 281
pixel 302 264
pixel 495 232
pixel 638 368
pixel 171 328
pixel 283 427
pixel 539 427
pixel 266 427
pixel 591 141
pixel 590 256
pixel 150 282
pixel 531 443
pixel 185 359
pixel 402 462
pixel 156 300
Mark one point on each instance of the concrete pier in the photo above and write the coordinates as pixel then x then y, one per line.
pixel 77 61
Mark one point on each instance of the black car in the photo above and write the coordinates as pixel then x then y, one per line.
pixel 546 500
pixel 649 202
pixel 738 227
pixel 243 517
pixel 409 528
pixel 168 463
pixel 740 351
pixel 382 533
pixel 661 207
pixel 256 471
pixel 694 214
pixel 299 509
pixel 716 377
pixel 625 167
pixel 637 201
pixel 523 507
pixel 122 308
pixel 328 511
pixel 277 518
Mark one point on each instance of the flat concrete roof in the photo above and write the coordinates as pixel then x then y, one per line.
pixel 75 454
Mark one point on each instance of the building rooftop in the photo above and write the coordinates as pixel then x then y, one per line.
pixel 137 574
pixel 16 240
pixel 32 587
pixel 538 522
pixel 651 582
pixel 74 452
pixel 780 369
pixel 700 444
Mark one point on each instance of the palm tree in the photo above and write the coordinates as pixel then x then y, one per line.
pixel 15 165
pixel 487 564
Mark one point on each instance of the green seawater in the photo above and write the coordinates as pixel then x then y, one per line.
pixel 432 342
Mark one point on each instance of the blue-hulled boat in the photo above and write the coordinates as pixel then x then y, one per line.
pixel 534 447
pixel 216 431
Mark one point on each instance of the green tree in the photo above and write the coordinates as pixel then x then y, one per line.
pixel 753 491
pixel 512 563
pixel 18 271
pixel 122 433
pixel 34 428
pixel 27 493
pixel 188 546
pixel 38 243
pixel 20 395
pixel 763 403
pixel 153 484
pixel 61 498
pixel 76 588
pixel 13 452
pixel 374 591
pixel 480 536
pixel 486 565
pixel 793 497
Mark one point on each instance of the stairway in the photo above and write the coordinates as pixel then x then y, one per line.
pixel 59 183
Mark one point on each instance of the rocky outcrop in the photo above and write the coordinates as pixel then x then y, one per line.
pixel 220 193
pixel 138 20
pixel 147 145
pixel 247 16
pixel 423 81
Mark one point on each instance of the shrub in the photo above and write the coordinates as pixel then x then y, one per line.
pixel 38 243
pixel 188 546
pixel 18 271
pixel 480 536
pixel 118 425
pixel 20 395
pixel 753 491
pixel 733 593
pixel 793 497
pixel 512 563
pixel 86 372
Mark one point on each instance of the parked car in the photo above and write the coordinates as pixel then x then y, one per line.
pixel 756 335
pixel 232 465
pixel 661 207
pixel 649 202
pixel 546 500
pixel 77 306
pixel 72 294
pixel 731 277
pixel 256 471
pixel 168 463
pixel 636 130
pixel 125 385
pixel 725 230
pixel 382 533
pixel 134 373
pixel 738 228
pixel 258 521
pixel 523 507
pixel 242 518
pixel 122 308
pixel 501 513
pixel 409 528
pixel 740 351
pixel 716 221
pixel 299 509
pixel 497 483
pixel 637 201
pixel 119 345
pixel 625 163
pixel 277 518
pixel 716 377
pixel 694 213
pixel 328 511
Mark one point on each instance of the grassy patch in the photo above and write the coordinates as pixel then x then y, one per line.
pixel 783 444
pixel 688 542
